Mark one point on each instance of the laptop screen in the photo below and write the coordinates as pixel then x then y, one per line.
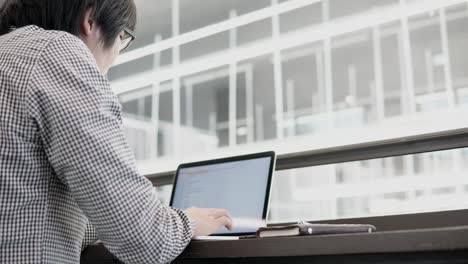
pixel 241 185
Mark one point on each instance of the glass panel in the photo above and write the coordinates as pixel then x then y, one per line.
pixel 214 11
pixel 252 32
pixel 244 107
pixel 362 77
pixel 164 193
pixel 303 91
pixel 353 80
pixel 430 86
pixel 122 71
pixel 301 18
pixel 340 8
pixel 263 89
pixel 457 22
pixel 154 18
pixel 136 108
pixel 410 184
pixel 205 46
pixel 392 71
pixel 206 111
pixel 166 121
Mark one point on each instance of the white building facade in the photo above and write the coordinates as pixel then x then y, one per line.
pixel 236 76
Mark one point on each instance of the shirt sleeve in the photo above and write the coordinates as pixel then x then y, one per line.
pixel 79 119
pixel 90 236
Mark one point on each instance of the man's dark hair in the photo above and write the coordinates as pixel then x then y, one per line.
pixel 112 16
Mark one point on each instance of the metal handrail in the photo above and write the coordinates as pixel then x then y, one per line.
pixel 444 140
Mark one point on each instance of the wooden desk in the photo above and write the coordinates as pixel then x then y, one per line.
pixel 437 245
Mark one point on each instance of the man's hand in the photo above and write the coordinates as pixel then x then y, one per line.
pixel 209 220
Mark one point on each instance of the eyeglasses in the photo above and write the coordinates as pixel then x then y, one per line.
pixel 126 39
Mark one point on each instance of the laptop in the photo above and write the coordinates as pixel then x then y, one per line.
pixel 239 184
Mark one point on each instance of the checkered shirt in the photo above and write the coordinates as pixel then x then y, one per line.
pixel 64 159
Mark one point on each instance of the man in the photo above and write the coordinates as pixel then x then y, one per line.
pixel 63 155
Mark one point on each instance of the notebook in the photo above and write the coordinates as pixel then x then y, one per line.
pixel 307 229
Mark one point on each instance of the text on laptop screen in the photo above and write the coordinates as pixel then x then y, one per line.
pixel 238 186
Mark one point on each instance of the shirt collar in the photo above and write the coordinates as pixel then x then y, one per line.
pixel 26 28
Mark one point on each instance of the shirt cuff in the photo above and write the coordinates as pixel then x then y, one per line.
pixel 193 224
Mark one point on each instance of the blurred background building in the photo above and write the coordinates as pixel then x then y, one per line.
pixel 213 78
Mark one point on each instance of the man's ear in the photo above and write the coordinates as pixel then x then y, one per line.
pixel 87 24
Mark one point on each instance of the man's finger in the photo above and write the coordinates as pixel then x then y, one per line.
pixel 217 213
pixel 225 221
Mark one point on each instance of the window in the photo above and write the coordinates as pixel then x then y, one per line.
pixel 296 75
